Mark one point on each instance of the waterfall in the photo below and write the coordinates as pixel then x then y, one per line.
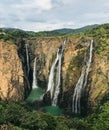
pixel 34 84
pixel 27 57
pixel 58 77
pixel 81 84
pixel 51 77
pixel 54 84
pixel 88 63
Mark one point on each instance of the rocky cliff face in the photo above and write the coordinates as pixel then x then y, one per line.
pixel 44 49
pixel 11 73
pixel 98 84
pixel 76 50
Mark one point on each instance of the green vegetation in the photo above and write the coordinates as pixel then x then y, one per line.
pixel 91 30
pixel 100 35
pixel 19 116
pixel 100 120
pixel 13 34
pixel 101 31
pixel 66 31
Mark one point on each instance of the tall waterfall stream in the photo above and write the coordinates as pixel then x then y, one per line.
pixel 82 82
pixel 54 86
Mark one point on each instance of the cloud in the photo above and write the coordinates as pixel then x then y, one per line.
pixel 52 14
pixel 34 4
pixel 44 26
pixel 45 5
pixel 28 4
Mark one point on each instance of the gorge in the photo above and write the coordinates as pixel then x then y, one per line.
pixel 68 72
pixel 73 66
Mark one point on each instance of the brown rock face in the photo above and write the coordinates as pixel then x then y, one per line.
pixel 45 50
pixel 12 81
pixel 11 73
pixel 99 76
pixel 76 49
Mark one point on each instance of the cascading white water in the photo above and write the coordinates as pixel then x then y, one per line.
pixel 51 76
pixel 58 77
pixel 88 64
pixel 53 86
pixel 77 93
pixel 81 84
pixel 34 84
pixel 27 57
pixel 57 89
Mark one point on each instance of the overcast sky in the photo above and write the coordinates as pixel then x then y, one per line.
pixel 41 15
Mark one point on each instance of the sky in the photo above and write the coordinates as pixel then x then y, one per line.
pixel 43 15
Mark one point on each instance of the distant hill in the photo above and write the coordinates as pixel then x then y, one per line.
pixel 65 31
pixel 78 30
pixel 13 33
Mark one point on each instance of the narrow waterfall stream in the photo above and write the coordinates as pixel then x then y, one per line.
pixel 36 93
pixel 34 84
pixel 27 57
pixel 54 85
pixel 81 84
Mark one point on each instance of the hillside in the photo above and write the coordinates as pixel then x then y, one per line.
pixel 12 33
pixel 72 31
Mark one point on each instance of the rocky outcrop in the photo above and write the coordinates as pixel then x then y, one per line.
pixel 11 73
